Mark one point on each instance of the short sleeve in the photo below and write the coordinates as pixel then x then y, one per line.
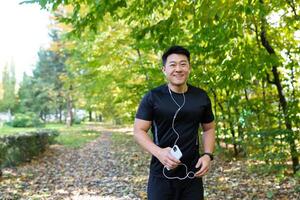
pixel 145 110
pixel 208 115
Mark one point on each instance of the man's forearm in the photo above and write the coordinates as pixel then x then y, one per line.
pixel 209 140
pixel 146 142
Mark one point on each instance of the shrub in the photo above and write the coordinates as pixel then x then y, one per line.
pixel 22 147
pixel 77 120
pixel 269 145
pixel 28 119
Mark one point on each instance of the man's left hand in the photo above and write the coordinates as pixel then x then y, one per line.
pixel 204 162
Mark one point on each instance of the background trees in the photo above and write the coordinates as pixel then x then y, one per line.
pixel 244 53
pixel 8 99
pixel 42 93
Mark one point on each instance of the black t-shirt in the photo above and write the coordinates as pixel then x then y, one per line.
pixel 158 107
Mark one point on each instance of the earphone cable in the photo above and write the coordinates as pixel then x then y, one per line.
pixel 189 174
pixel 175 115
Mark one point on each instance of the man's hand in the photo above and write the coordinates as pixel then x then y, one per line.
pixel 204 162
pixel 165 157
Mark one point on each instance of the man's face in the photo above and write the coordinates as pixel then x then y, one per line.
pixel 177 69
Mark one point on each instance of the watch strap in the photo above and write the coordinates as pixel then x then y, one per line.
pixel 211 156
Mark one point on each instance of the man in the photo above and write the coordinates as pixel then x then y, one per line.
pixel 174 112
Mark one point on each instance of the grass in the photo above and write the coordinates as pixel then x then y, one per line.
pixel 6 130
pixel 74 137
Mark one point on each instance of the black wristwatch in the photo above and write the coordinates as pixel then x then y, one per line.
pixel 211 156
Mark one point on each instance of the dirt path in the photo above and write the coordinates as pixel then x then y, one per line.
pixel 88 173
pixel 113 167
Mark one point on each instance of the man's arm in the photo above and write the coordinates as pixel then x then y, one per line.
pixel 140 131
pixel 208 137
pixel 208 144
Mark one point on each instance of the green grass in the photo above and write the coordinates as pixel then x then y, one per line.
pixel 74 137
pixel 6 130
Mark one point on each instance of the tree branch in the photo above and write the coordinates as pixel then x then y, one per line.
pixel 268 79
pixel 292 5
pixel 265 42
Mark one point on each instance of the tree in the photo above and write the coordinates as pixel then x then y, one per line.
pixel 43 92
pixel 9 100
pixel 246 61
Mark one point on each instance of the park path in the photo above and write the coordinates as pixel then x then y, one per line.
pixel 113 167
pixel 63 173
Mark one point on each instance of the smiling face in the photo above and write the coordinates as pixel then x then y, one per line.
pixel 177 69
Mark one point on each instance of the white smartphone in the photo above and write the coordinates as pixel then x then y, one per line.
pixel 175 151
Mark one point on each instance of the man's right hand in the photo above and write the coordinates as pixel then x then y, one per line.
pixel 165 157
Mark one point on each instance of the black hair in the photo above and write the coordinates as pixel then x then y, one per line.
pixel 175 50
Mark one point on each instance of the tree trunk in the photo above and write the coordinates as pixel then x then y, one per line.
pixel 232 134
pixel 231 126
pixel 267 123
pixel 90 116
pixel 69 108
pixel 60 113
pixel 42 115
pixel 100 118
pixel 240 132
pixel 216 116
pixel 282 99
pixel 9 115
pixel 223 117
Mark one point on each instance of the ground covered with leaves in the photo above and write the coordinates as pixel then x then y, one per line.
pixel 113 167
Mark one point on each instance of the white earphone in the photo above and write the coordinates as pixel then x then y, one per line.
pixel 189 174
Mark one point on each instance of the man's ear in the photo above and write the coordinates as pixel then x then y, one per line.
pixel 163 70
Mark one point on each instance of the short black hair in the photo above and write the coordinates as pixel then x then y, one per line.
pixel 175 50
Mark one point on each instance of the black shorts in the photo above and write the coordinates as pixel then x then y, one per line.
pixel 166 189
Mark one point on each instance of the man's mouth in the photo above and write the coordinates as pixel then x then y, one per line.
pixel 178 75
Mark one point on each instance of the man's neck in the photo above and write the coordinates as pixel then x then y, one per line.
pixel 178 88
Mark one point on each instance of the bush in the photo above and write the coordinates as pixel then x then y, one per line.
pixel 28 119
pixel 77 120
pixel 269 145
pixel 22 147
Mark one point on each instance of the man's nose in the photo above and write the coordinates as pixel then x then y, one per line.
pixel 178 68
